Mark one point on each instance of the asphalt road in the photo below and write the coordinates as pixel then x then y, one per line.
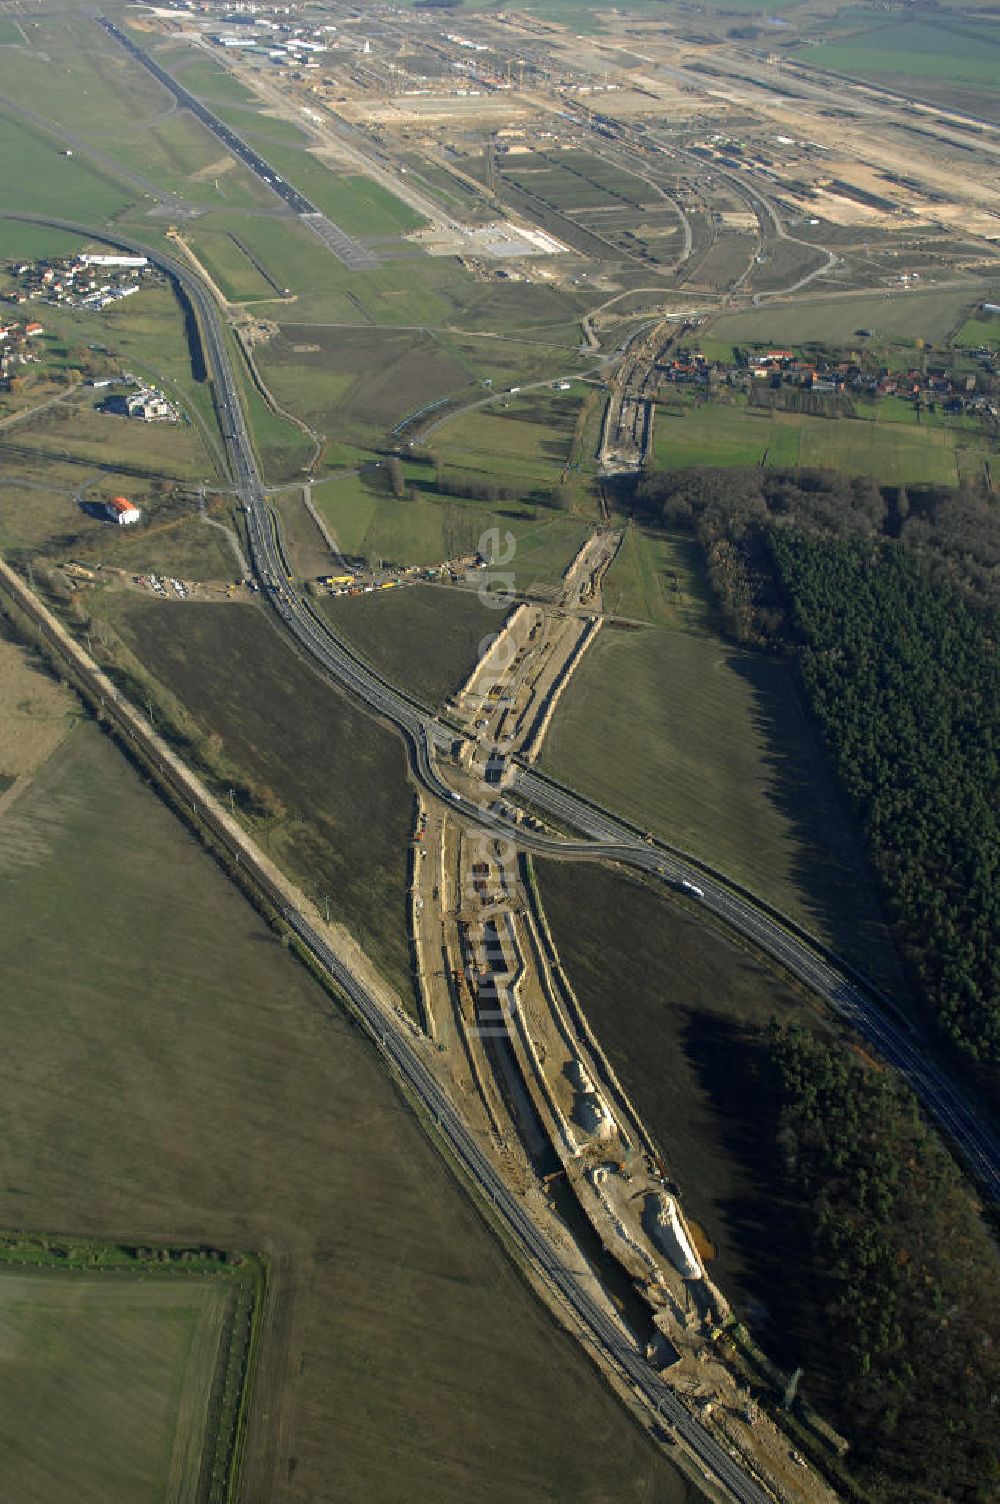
pixel 354 255
pixel 858 1002
pixel 391 1037
pixel 604 837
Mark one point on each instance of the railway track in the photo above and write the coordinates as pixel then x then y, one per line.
pixel 603 837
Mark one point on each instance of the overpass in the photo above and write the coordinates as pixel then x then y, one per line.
pixel 603 837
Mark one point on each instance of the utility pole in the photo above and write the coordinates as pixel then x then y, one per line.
pixel 492 179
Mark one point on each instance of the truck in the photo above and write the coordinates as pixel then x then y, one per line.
pixel 692 888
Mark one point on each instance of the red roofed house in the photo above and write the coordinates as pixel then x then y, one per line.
pixel 120 510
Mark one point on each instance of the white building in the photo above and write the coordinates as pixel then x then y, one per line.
pixel 114 261
pixel 119 509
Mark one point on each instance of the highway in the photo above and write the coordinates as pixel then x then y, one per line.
pixel 604 837
pixel 390 1036
pixel 858 1003
pixel 854 1000
pixel 401 1049
pixel 851 995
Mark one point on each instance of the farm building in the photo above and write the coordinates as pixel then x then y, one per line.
pixel 119 509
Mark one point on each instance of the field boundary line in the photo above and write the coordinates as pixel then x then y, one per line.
pixel 193 792
pixel 293 916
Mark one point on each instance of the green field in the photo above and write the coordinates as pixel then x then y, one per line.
pixel 230 268
pixel 680 1011
pixel 371 525
pixel 173 451
pixel 145 335
pixel 709 746
pixel 892 452
pixel 586 17
pixel 656 579
pixel 283 450
pixel 262 129
pixel 517 359
pixel 423 638
pixel 184 547
pixel 17 240
pixel 172 1072
pixel 74 75
pixel 77 78
pixel 358 205
pixel 422 291
pixel 525 438
pixel 715 434
pixel 291 253
pixel 105 1385
pixel 36 179
pixel 202 75
pixel 962 54
pixel 898 317
pixel 305 549
pixel 984 330
pixel 357 383
pixel 339 777
pixel 39 509
pixel 181 156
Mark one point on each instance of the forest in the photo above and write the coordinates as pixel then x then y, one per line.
pixel 907 1291
pixel 890 603
pixel 903 678
pixel 955 531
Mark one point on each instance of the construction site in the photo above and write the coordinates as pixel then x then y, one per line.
pixel 516 1049
pixel 459 287
pixel 653 159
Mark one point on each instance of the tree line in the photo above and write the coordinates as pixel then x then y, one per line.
pixel 904 679
pixel 888 600
pixel 954 530
pixel 906 1285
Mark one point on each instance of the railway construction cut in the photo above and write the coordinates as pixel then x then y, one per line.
pixel 355 256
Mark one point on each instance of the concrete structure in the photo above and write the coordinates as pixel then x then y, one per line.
pixel 667 1231
pixel 151 408
pixel 593 1116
